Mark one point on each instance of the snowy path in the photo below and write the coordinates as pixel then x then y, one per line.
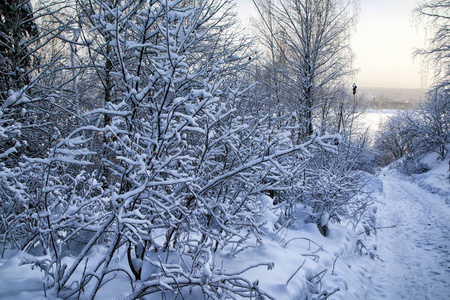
pixel 416 253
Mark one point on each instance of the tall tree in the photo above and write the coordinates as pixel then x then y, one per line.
pixel 18 31
pixel 435 14
pixel 313 39
pixel 435 110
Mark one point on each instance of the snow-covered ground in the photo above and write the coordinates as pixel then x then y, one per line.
pixel 408 261
pixel 415 259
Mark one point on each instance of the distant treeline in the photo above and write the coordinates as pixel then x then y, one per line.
pixel 391 98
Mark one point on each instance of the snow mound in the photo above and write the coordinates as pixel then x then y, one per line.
pixel 306 263
pixel 373 184
pixel 298 263
pixel 437 179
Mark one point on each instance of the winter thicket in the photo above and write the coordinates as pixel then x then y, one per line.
pixel 304 73
pixel 151 131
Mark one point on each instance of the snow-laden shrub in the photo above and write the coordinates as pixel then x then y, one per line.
pixel 397 137
pixel 12 192
pixel 167 171
pixel 410 164
pixel 410 134
pixel 435 112
pixel 325 188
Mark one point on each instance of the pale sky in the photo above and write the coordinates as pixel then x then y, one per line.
pixel 384 41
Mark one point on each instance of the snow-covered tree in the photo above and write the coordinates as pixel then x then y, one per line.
pixel 182 164
pixel 157 148
pixel 304 70
pixel 30 118
pixel 18 31
pixel 311 41
pixel 436 115
pixel 414 133
pixel 435 15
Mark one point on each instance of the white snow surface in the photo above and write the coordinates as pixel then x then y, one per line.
pixel 374 119
pixel 408 261
pixel 436 180
pixel 415 254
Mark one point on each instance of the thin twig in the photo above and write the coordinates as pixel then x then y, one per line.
pixel 382 227
pixel 302 238
pixel 292 276
pixel 318 274
pixel 332 271
pixel 329 294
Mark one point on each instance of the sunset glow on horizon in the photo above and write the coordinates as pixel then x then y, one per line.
pixel 384 40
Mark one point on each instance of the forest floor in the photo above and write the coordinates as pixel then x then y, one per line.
pixel 414 255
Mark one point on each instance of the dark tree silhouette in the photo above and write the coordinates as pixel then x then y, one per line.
pixel 17 32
